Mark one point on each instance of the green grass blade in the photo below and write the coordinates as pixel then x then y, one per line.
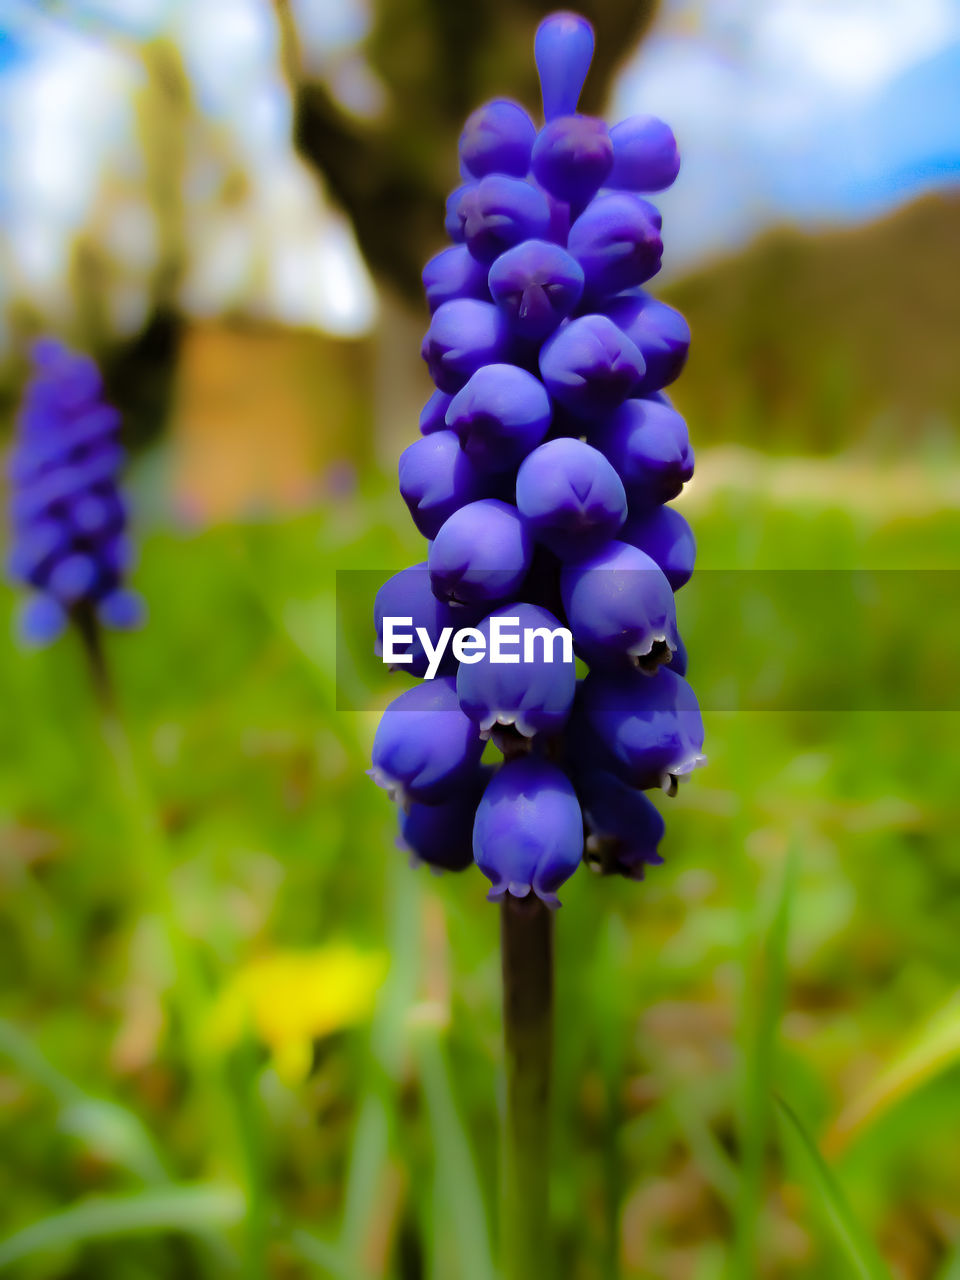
pixel 192 1210
pixel 327 1258
pixel 931 1049
pixel 458 1186
pixel 832 1203
pixel 763 1020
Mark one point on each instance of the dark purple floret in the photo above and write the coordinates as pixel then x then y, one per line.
pixel 528 835
pixel 454 273
pixel 650 725
pixel 463 336
pixel 498 212
pixel 441 835
pixel 617 242
pixel 624 827
pixel 500 415
pixel 590 366
pixel 620 608
pixel 408 594
pixel 571 158
pixel 571 497
pixel 536 285
pixel 436 479
pixel 481 554
pixel 666 537
pixel 532 692
pixel 425 749
pixel 647 442
pixel 660 332
pixel 497 138
pixel 68 517
pixel 645 155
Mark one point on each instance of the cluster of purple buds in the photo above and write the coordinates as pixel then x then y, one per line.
pixel 547 454
pixel 69 544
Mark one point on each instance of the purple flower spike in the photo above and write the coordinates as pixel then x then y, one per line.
pixel 651 727
pixel 523 679
pixel 647 442
pixel 454 273
pixel 425 748
pixel 590 366
pixel 499 212
pixel 645 155
pixel 67 512
pixel 500 415
pixel 624 826
pixel 497 138
pixel 528 835
pixel 620 608
pixel 571 497
pixel 463 336
pixel 441 835
pixel 563 49
pixel 661 333
pixel 122 610
pixel 571 158
pixel 666 537
pixel 433 416
pixel 408 594
pixel 617 242
pixel 536 285
pixel 436 479
pixel 481 554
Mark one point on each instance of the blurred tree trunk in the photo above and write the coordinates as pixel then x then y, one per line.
pixel 438 60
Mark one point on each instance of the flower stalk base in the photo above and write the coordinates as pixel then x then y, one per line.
pixel 526 950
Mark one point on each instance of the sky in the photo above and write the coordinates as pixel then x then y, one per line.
pixel 798 111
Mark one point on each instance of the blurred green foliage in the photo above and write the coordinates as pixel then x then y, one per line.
pixel 685 1004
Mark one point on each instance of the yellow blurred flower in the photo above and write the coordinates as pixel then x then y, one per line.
pixel 287 999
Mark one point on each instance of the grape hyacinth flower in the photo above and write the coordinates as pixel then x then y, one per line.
pixel 69 522
pixel 545 459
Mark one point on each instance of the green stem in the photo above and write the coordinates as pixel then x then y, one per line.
pixel 526 952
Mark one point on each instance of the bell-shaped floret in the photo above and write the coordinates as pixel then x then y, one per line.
pixel 624 827
pixel 659 331
pixel 647 442
pixel 497 138
pixel 528 834
pixel 617 242
pixel 441 835
pixel 620 608
pixel 571 158
pixel 408 594
pixel 436 479
pixel 536 285
pixel 524 677
pixel 498 212
pixel 425 748
pixel 645 155
pixel 590 366
pixel 454 273
pixel 666 537
pixel 650 727
pixel 571 497
pixel 464 335
pixel 481 554
pixel 500 415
